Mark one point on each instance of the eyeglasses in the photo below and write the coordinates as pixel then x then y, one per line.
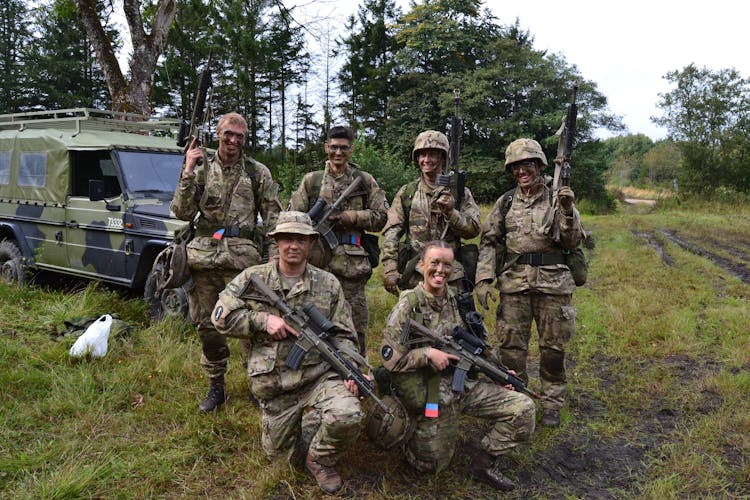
pixel 339 147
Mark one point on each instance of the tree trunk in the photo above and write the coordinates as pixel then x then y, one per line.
pixel 132 95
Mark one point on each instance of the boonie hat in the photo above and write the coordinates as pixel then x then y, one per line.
pixel 293 222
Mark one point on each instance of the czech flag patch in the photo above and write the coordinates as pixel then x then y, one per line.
pixel 431 410
pixel 218 234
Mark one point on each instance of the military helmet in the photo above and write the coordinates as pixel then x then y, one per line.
pixel 524 149
pixel 430 139
pixel 388 429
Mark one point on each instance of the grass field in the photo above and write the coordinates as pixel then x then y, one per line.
pixel 658 376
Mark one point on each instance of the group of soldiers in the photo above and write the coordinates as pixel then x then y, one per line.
pixel 310 415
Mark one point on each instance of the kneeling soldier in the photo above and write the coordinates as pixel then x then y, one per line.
pixel 286 395
pixel 422 378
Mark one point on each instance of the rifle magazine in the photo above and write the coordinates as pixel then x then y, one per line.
pixel 295 357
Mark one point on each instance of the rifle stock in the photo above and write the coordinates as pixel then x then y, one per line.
pixel 469 348
pixel 321 211
pixel 313 328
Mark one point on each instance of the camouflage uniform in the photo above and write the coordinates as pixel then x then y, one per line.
pixel 228 197
pixel 431 446
pixel 348 262
pixel 539 293
pixel 426 223
pixel 285 395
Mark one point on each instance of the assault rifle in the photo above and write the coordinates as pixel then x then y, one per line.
pixel 313 330
pixel 454 180
pixel 566 134
pixel 321 211
pixel 195 129
pixel 469 348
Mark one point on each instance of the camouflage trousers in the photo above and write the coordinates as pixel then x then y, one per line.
pixel 321 418
pixel 512 415
pixel 555 321
pixel 202 298
pixel 354 292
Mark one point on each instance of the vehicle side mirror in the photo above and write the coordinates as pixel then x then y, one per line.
pixel 96 189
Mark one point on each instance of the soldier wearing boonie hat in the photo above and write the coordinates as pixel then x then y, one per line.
pixel 286 395
pixel 293 222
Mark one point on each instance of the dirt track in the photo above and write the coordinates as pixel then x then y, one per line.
pixel 736 253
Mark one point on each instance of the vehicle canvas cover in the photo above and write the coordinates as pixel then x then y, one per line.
pixel 45 171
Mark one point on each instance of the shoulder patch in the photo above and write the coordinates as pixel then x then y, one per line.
pixel 386 352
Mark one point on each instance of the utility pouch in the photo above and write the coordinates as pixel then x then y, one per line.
pixel 371 245
pixel 576 262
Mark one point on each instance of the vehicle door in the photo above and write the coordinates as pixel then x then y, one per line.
pixel 94 218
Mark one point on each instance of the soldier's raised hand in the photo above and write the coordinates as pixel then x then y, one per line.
pixel 193 155
pixel 566 197
pixel 446 203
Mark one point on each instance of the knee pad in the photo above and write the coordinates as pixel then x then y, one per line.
pixel 552 365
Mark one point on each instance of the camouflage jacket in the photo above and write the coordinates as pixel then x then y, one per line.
pixel 426 223
pixel 434 313
pixel 527 229
pixel 227 196
pixel 245 311
pixel 370 205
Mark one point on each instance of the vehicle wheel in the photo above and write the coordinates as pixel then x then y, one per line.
pixel 174 302
pixel 170 302
pixel 11 263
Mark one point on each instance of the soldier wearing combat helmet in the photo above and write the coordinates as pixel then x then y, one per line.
pixel 523 245
pixel 423 211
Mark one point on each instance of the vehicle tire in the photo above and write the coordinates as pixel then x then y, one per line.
pixel 11 263
pixel 170 302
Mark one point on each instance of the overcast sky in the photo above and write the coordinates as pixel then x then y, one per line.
pixel 625 47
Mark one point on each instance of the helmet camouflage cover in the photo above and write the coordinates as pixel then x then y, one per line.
pixel 388 429
pixel 430 139
pixel 524 149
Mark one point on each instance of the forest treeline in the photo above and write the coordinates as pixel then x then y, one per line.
pixel 389 74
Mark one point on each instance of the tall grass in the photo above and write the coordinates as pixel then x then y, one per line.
pixel 662 349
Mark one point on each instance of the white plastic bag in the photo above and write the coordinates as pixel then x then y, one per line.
pixel 94 339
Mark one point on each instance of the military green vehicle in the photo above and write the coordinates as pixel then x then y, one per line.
pixel 86 193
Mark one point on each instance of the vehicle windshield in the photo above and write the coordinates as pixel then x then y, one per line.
pixel 152 174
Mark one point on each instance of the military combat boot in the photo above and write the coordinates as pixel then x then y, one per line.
pixel 215 397
pixel 328 479
pixel 551 418
pixel 484 468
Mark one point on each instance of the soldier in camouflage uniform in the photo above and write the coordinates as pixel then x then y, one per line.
pixel 229 193
pixel 422 375
pixel 365 210
pixel 287 396
pixel 520 249
pixel 422 211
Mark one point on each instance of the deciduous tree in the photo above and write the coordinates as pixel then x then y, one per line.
pixel 131 93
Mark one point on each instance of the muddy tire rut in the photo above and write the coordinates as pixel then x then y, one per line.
pixel 738 266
